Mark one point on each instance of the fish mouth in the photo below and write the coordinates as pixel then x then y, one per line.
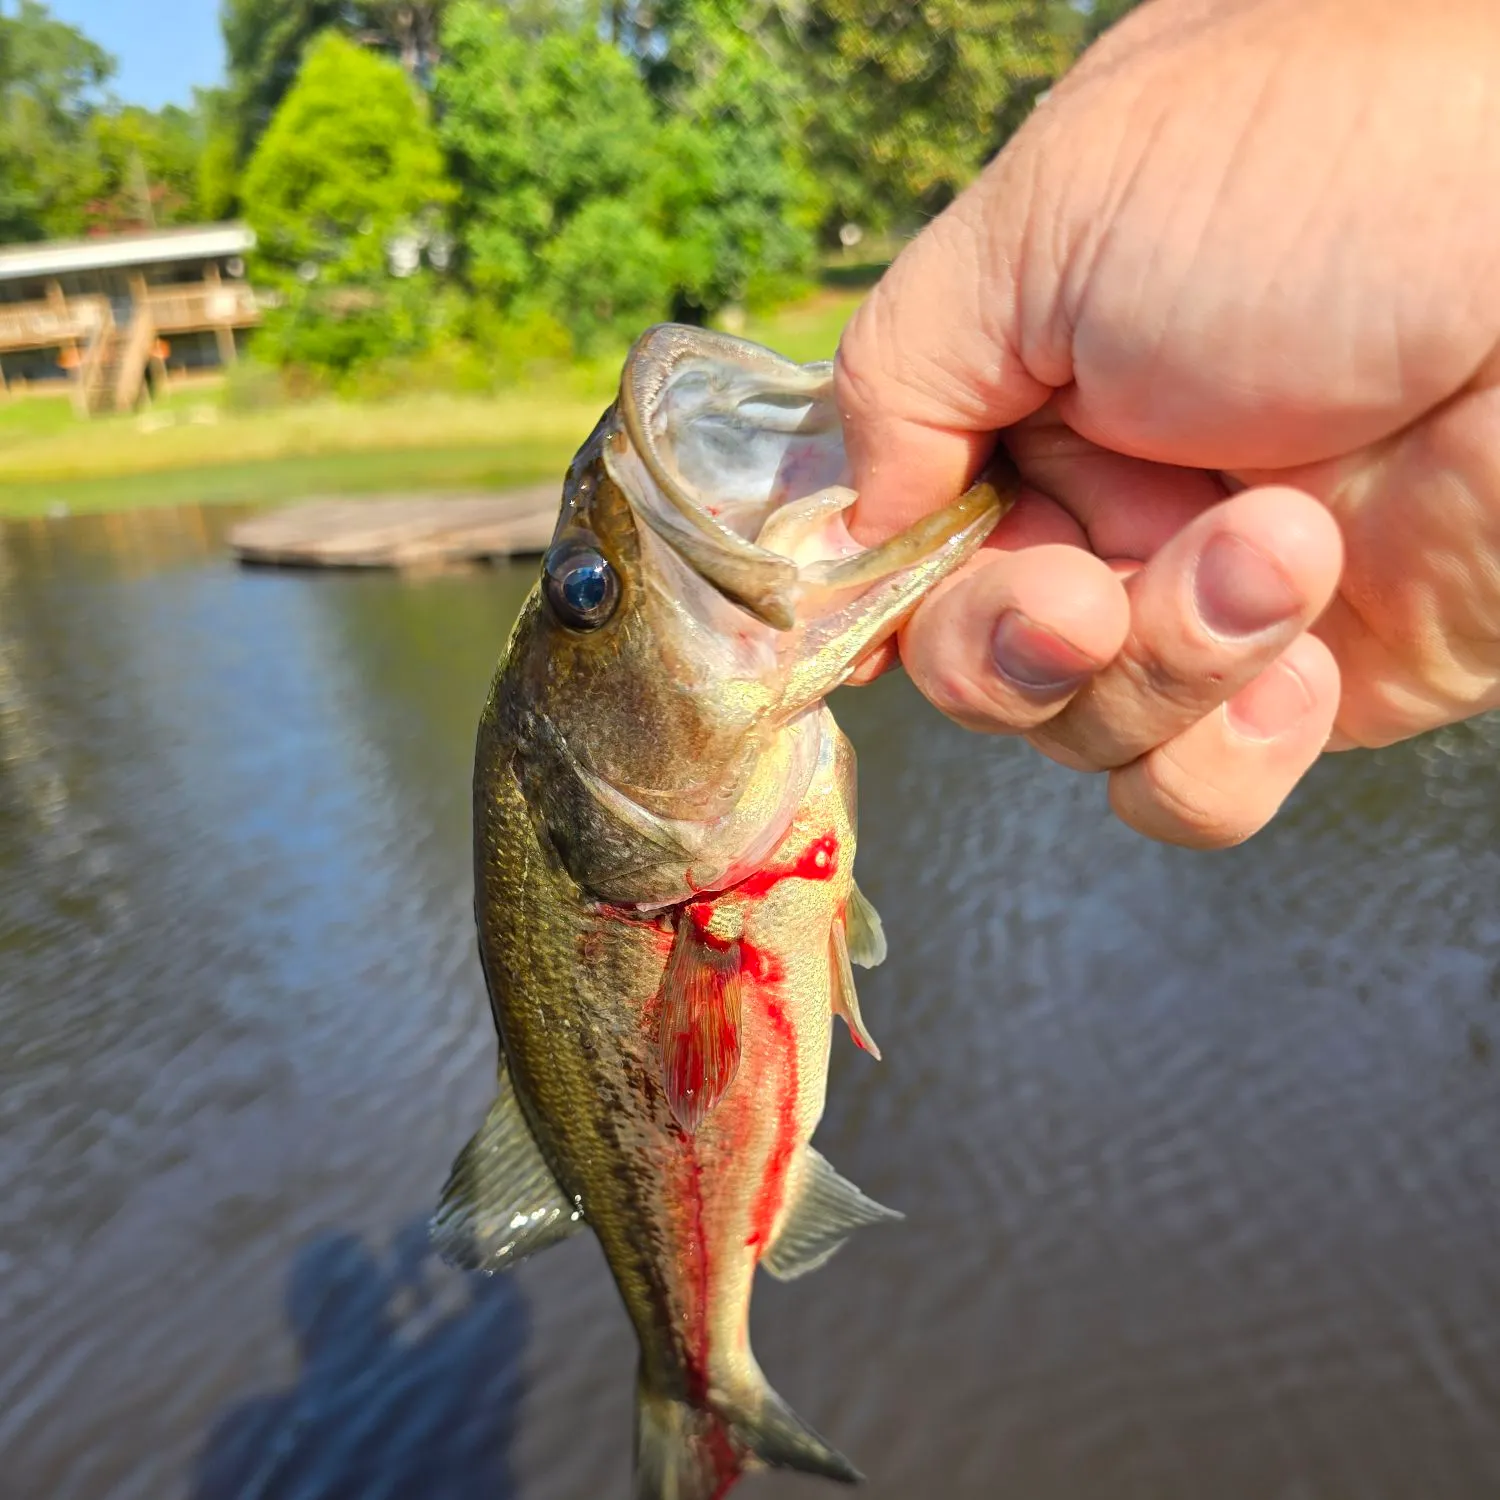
pixel 715 436
pixel 734 457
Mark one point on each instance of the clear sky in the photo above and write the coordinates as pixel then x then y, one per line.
pixel 164 47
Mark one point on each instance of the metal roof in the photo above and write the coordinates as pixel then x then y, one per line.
pixel 108 252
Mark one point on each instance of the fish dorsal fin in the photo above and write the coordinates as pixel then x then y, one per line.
pixel 501 1202
pixel 845 997
pixel 701 1000
pixel 866 934
pixel 827 1211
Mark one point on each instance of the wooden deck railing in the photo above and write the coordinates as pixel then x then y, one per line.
pixel 40 325
pixel 183 309
pixel 174 309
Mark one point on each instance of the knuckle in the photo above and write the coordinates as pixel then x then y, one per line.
pixel 855 378
pixel 1154 679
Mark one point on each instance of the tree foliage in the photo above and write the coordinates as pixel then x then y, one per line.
pixel 552 144
pixel 735 195
pixel 265 41
pixel 905 101
pixel 349 163
pixel 50 81
pixel 579 189
pixel 144 168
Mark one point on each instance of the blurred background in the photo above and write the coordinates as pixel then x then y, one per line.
pixel 1197 1151
pixel 276 216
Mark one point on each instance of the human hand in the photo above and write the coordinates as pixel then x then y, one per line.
pixel 1233 295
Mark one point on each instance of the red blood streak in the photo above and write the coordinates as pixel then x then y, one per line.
pixel 728 1464
pixel 819 861
pixel 773 1185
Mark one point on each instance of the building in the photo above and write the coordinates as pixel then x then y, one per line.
pixel 115 315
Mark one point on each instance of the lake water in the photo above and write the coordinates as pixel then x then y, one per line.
pixel 1200 1153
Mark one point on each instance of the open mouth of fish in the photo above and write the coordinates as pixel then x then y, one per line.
pixel 735 457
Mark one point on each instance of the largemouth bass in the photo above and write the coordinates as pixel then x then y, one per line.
pixel 664 820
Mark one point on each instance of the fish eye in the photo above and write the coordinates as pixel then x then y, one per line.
pixel 580 585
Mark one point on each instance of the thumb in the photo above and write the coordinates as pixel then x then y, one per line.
pixel 929 367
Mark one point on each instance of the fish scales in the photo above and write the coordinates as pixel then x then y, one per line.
pixel 665 828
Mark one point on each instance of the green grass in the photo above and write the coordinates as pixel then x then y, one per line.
pixel 278 480
pixel 193 449
pixel 806 330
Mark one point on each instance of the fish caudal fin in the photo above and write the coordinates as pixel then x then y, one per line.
pixel 501 1202
pixel 689 1452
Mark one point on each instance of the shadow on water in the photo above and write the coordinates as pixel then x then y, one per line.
pixel 408 1389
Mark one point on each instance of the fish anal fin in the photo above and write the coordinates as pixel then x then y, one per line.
pixel 702 996
pixel 827 1210
pixel 845 997
pixel 867 945
pixel 501 1202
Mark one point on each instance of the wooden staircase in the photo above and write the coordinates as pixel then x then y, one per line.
pixel 115 364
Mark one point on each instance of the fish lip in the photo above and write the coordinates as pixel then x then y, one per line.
pixel 762 581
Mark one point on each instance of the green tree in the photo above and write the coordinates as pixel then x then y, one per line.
pixel 903 102
pixel 409 29
pixel 552 141
pixel 218 186
pixel 145 168
pixel 349 164
pixel 735 198
pixel 51 77
pixel 265 40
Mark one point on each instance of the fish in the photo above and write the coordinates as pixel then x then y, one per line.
pixel 664 835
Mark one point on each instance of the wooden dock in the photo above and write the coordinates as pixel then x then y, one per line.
pixel 407 531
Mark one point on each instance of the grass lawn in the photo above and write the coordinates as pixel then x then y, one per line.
pixel 192 449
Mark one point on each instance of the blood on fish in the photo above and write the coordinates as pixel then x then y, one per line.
pixel 819 861
pixel 773 1186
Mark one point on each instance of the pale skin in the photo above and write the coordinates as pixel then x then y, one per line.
pixel 1231 298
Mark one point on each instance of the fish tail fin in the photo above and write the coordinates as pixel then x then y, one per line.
pixel 688 1451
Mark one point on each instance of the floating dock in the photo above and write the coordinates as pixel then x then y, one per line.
pixel 406 531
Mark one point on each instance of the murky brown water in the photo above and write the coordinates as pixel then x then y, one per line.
pixel 1200 1153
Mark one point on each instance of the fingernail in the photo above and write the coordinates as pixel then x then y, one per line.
pixel 1033 659
pixel 1275 702
pixel 1240 591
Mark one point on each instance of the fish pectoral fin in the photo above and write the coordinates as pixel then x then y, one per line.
pixel 828 1210
pixel 702 994
pixel 501 1202
pixel 865 931
pixel 845 997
